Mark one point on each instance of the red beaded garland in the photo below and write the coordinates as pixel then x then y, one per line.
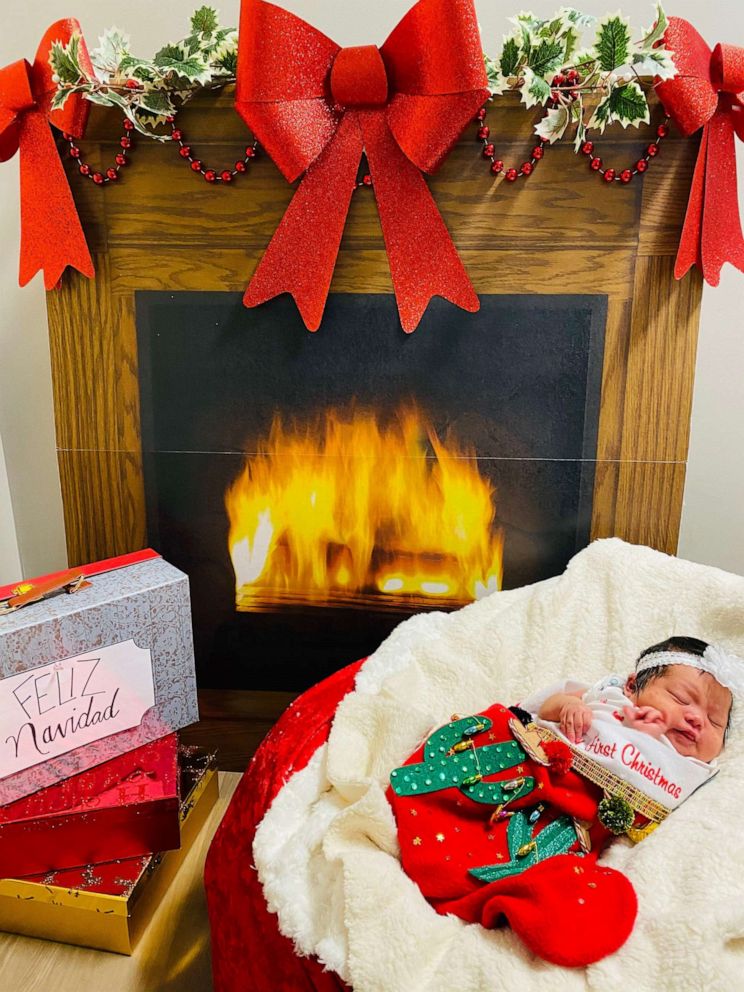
pixel 109 175
pixel 588 147
pixel 497 166
pixel 641 165
pixel 652 150
pixel 210 175
pixel 609 175
pixel 595 164
pixel 626 175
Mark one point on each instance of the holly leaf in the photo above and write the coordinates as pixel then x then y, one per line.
pixel 204 21
pixel 64 60
pixel 601 116
pixel 657 31
pixel 177 60
pixel 509 62
pixel 553 125
pixel 113 45
pixel 496 82
pixel 577 17
pixel 535 89
pixel 570 41
pixel 658 63
pixel 545 58
pixel 60 97
pixel 580 137
pixel 628 105
pixel 613 43
pixel 156 101
pixel 228 63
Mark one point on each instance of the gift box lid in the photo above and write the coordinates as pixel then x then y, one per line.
pixel 87 676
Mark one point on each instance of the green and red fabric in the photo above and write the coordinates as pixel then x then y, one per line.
pixel 524 866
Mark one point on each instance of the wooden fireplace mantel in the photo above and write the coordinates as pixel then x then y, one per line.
pixel 161 227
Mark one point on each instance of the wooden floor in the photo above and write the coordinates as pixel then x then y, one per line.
pixel 234 722
pixel 172 955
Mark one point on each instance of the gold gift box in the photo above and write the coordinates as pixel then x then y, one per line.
pixel 96 919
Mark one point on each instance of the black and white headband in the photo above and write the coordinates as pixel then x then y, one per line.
pixel 725 667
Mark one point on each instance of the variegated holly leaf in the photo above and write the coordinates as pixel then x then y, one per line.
pixel 113 45
pixel 553 125
pixel 60 97
pixel 64 60
pixel 155 101
pixel 535 89
pixel 577 17
pixel 546 57
pixel 177 60
pixel 657 62
pixel 580 137
pixel 656 33
pixel 510 56
pixel 601 116
pixel 628 105
pixel 496 82
pixel 613 43
pixel 140 69
pixel 204 21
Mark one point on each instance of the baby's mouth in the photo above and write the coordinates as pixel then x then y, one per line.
pixel 688 735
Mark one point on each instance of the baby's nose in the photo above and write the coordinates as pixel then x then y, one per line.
pixel 694 718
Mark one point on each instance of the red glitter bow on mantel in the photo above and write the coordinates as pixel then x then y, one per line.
pixel 317 107
pixel 51 234
pixel 708 92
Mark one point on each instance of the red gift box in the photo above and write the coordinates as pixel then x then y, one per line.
pixel 123 808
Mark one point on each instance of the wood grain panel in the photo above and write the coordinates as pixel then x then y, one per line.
pixel 649 500
pixel 661 362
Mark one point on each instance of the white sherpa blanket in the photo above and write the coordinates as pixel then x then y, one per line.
pixel 327 852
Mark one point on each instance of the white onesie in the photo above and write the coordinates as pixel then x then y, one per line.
pixel 651 765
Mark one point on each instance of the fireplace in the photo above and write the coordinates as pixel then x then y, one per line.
pixel 318 489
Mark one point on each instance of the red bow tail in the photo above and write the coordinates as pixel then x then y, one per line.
pixel 707 94
pixel 423 260
pixel 51 233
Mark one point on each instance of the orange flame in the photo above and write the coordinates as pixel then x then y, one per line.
pixel 345 507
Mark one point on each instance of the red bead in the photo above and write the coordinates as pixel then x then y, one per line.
pixel 662 131
pixel 176 134
pixel 526 168
pixel 226 176
pixel 653 149
pixel 125 142
pixel 196 165
pixel 596 164
pixel 641 165
pixel 250 152
pixel 97 178
pixel 132 84
pixel 74 151
pixel 626 175
pixel 128 125
pixel 112 174
pixel 497 166
pixel 609 175
pixel 210 175
pixel 121 159
pixel 481 115
pixel 537 152
pixel 488 151
pixel 240 166
pixel 84 169
pixel 367 180
pixel 588 147
pixel 184 151
pixel 510 175
pixel 483 132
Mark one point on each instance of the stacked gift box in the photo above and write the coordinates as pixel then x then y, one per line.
pixel 98 804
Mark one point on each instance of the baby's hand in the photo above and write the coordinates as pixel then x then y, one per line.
pixel 647 719
pixel 575 719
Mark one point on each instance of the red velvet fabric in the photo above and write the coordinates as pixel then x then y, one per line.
pixel 248 952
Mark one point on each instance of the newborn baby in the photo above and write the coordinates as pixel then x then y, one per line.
pixel 672 697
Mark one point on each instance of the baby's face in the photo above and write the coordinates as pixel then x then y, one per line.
pixel 695 709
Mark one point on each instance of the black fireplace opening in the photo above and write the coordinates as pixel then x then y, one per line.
pixel 239 406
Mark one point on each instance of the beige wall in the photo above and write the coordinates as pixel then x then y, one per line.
pixel 31 530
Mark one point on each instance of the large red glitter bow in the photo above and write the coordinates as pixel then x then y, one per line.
pixel 51 234
pixel 317 107
pixel 708 92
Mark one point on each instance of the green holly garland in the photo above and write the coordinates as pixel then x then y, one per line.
pixel 541 59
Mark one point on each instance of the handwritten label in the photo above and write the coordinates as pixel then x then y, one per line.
pixel 48 711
